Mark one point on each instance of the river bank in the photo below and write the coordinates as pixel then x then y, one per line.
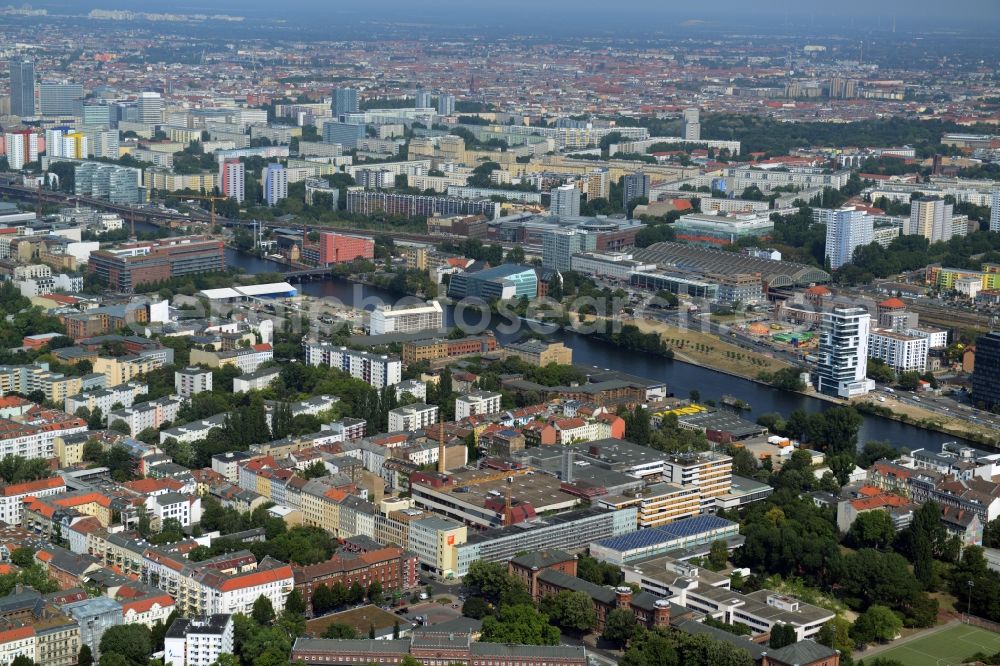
pixel 927 419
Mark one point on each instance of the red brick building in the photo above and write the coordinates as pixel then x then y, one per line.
pixel 334 248
pixel 393 568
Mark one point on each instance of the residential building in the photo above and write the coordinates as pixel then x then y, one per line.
pixel 412 417
pixel 119 185
pixel 477 403
pixel 995 210
pixel 22 148
pixel 275 184
pixel 247 359
pixel 635 186
pixel 190 381
pixel 565 201
pixel 406 319
pixel 146 415
pixel 379 370
pixel 843 350
pixel 446 104
pixel 12 496
pixel 900 351
pixel 94 617
pixel 692 125
pixel 22 88
pixel 931 218
pixel 846 229
pixel 345 100
pixel 232 179
pixel 199 641
pixel 255 381
pixel 986 372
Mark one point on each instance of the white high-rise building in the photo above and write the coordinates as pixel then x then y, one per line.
pixel 406 319
pixel 232 179
pixel 275 184
pixel 565 201
pixel 995 211
pixel 843 352
pixel 930 217
pixel 22 147
pixel 846 230
pixel 692 124
pixel 150 108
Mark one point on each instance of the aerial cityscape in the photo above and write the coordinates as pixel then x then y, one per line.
pixel 532 334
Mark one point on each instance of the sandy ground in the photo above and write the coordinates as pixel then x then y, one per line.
pixel 707 350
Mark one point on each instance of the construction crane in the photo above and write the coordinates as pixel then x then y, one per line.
pixel 213 199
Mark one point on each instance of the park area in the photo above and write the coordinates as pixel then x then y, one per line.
pixel 948 647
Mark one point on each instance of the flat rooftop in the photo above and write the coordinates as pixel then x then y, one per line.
pixel 542 491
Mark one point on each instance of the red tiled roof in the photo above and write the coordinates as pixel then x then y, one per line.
pixel 256 578
pixel 29 487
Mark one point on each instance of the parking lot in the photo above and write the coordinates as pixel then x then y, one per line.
pixel 435 613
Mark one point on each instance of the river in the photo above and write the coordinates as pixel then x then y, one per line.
pixel 680 377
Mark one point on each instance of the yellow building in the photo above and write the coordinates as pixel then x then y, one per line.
pixel 123 369
pixel 537 352
pixel 69 452
pixel 658 504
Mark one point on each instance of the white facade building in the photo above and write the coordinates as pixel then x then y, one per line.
pixel 477 403
pixel 255 381
pixel 412 417
pixel 198 642
pixel 379 370
pixel 901 352
pixel 843 352
pixel 145 415
pixel 846 230
pixel 192 380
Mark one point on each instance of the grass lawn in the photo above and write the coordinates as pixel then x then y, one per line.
pixel 945 648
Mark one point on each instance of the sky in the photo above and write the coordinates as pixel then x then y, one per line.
pixel 537 16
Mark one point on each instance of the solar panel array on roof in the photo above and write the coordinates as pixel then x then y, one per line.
pixel 680 529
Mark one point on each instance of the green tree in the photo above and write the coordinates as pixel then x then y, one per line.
pixel 263 611
pixel 294 603
pixel 620 626
pixel 718 555
pixel 782 635
pixel 878 623
pixel 475 607
pixel 113 659
pixel 23 557
pixel 375 592
pixel 571 610
pixel 872 529
pixel 21 660
pixel 85 657
pixel 131 641
pixel 519 624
